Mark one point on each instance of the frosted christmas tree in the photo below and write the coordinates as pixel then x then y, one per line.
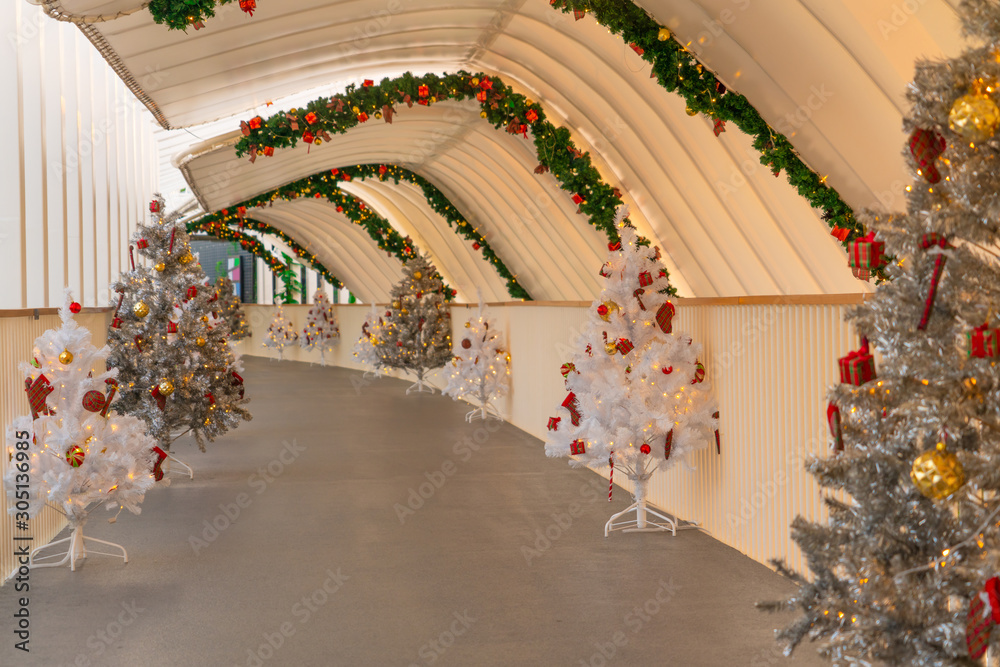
pixel 322 331
pixel 74 453
pixel 480 370
pixel 280 333
pixel 416 332
pixel 904 571
pixel 177 371
pixel 638 400
pixel 230 309
pixel 364 349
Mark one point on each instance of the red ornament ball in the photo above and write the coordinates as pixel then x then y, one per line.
pixel 93 401
pixel 668 370
pixel 75 308
pixel 466 343
pixel 645 448
pixel 75 456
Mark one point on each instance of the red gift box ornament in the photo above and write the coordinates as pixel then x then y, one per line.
pixel 248 6
pixel 933 241
pixel 311 117
pixel 925 147
pixel 362 117
pixel 256 122
pixel 858 367
pixel 192 292
pixel 423 91
pixel 154 206
pixel 579 14
pixel 481 96
pixel 486 83
pixel 638 49
pixel 665 317
pixel 867 253
pixel 983 343
pixel 116 323
pixel 645 279
pixel 840 233
pixel 269 151
pixel 531 115
pixel 554 423
pixel 605 271
pixel 577 447
pixel 577 199
pixel 171 327
pixel 616 245
pixel 984 613
pixel 624 346
pixel 836 432
pixel 367 83
pixel 142 244
pixel 308 137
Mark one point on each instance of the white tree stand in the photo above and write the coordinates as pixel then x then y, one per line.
pixel 485 410
pixel 420 386
pixel 646 520
pixel 77 549
pixel 177 462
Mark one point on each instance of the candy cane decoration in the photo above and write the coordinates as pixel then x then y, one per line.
pixel 611 477
pixel 927 242
pixel 131 258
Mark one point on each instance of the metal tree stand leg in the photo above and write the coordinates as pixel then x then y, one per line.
pixel 179 463
pixel 420 386
pixel 641 523
pixel 484 411
pixel 77 550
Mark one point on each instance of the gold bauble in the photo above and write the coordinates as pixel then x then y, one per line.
pixel 468 325
pixel 937 473
pixel 611 348
pixel 166 387
pixel 140 309
pixel 663 35
pixel 689 111
pixel 404 311
pixel 65 357
pixel 396 305
pixel 417 275
pixel 612 307
pixel 482 114
pixel 975 117
pixel 200 342
pixel 186 258
pixel 160 266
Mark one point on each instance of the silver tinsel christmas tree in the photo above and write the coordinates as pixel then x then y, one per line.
pixel 231 309
pixel 176 369
pixel 416 331
pixel 904 571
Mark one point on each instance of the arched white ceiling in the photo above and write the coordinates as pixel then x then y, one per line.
pixel 830 74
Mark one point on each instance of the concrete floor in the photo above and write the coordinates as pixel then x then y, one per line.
pixel 502 562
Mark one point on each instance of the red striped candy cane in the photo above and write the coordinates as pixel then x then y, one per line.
pixel 611 477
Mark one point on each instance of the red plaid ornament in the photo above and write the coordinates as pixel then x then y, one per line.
pixel 833 421
pixel 858 367
pixel 925 147
pixel 867 253
pixel 570 404
pixel 93 401
pixel 154 206
pixel 983 343
pixel 645 279
pixel 624 346
pixel 161 456
pixel 665 317
pixel 38 391
pixel 171 327
pixel 984 613
pixel 579 14
pixel 554 423
pixel 577 447
pixel 719 127
pixel 142 244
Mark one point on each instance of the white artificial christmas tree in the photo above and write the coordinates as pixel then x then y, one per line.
pixel 365 350
pixel 637 398
pixel 280 333
pixel 480 370
pixel 322 331
pixel 74 453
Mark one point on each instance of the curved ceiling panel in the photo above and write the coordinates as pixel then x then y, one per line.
pixel 342 246
pixel 831 75
pixel 462 267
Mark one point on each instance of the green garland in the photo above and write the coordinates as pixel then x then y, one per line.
pixel 248 243
pixel 317 186
pixel 678 70
pixel 500 106
pixel 181 14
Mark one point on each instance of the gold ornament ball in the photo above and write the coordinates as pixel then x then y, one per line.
pixel 691 112
pixel 404 311
pixel 663 35
pixel 396 305
pixel 417 275
pixel 160 266
pixel 611 348
pixel 166 387
pixel 468 325
pixel 200 342
pixel 937 474
pixel 65 357
pixel 186 258
pixel 974 117
pixel 140 309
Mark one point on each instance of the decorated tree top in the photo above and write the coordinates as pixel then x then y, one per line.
pixel 74 451
pixel 178 372
pixel 904 572
pixel 636 390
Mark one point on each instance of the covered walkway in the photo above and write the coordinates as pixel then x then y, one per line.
pixel 349 524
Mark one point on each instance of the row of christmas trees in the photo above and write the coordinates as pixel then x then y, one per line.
pixel 102 420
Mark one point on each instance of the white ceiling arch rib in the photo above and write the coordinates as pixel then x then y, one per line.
pixel 338 243
pixel 757 237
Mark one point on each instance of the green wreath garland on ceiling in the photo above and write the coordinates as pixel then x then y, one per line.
pixel 318 186
pixel 182 14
